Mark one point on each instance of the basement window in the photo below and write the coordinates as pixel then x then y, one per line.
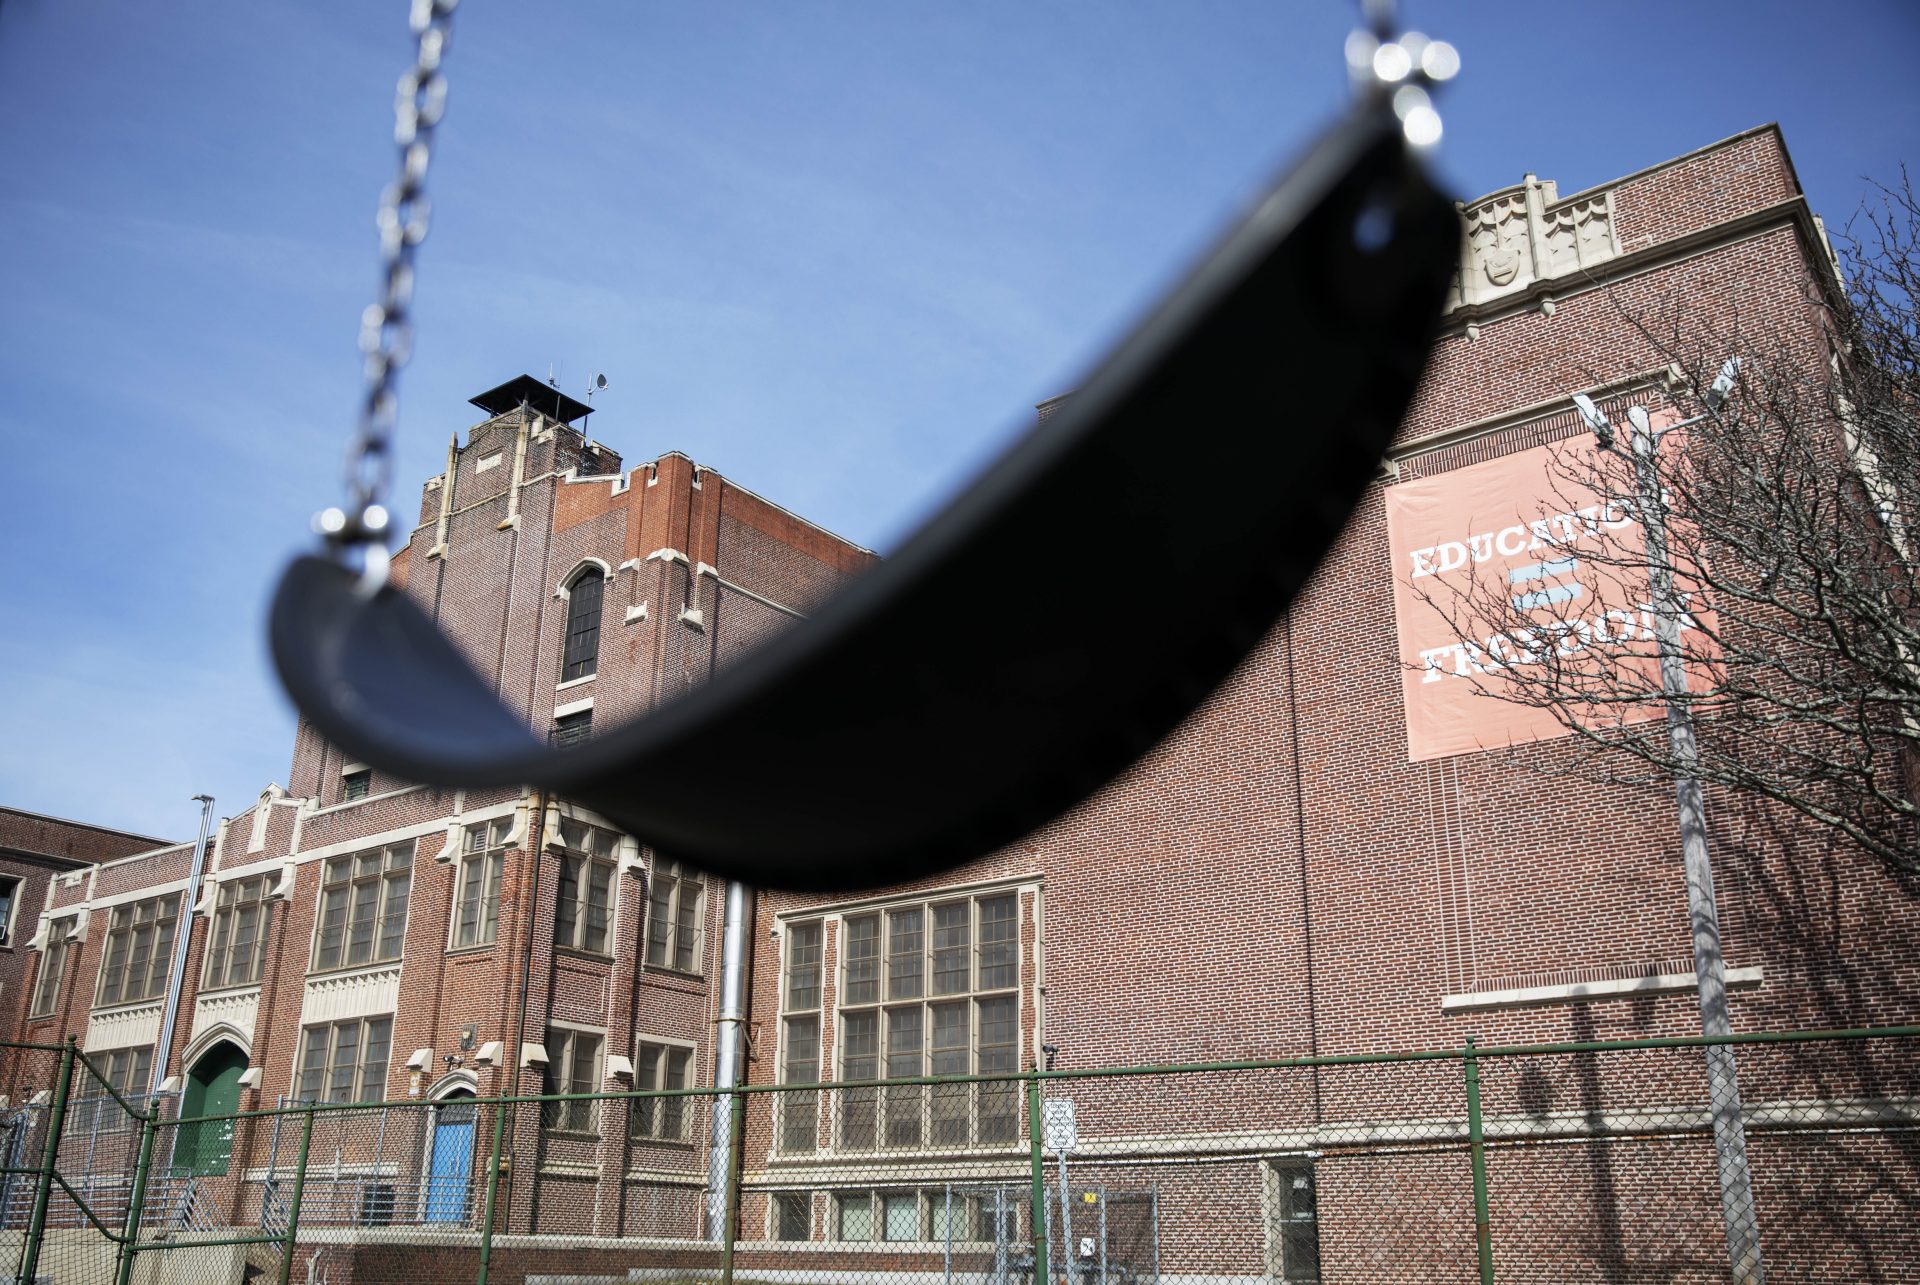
pixel 572 729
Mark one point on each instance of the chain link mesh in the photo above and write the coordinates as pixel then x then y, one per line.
pixel 1595 1162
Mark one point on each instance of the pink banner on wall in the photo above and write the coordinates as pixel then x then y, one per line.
pixel 1516 530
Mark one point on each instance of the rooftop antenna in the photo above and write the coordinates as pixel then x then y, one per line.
pixel 551 381
pixel 599 384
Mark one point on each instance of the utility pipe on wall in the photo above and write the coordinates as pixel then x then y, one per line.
pixel 726 1059
pixel 182 937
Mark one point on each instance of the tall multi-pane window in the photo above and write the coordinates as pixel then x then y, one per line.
pixel 363 907
pixel 673 916
pixel 53 967
pixel 346 1061
pixel 585 907
pixel 483 861
pixel 128 1072
pixel 138 950
pixel 930 989
pixel 9 901
pixel 661 1066
pixel 583 625
pixel 356 785
pixel 573 1066
pixel 800 1037
pixel 237 938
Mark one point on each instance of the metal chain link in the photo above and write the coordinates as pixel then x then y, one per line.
pixel 386 327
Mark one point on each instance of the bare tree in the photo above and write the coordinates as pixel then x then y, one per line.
pixel 1792 513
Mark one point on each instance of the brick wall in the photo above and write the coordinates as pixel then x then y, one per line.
pixel 1276 879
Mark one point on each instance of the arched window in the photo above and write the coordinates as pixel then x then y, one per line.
pixel 583 624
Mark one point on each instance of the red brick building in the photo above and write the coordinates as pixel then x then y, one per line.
pixel 1277 880
pixel 36 852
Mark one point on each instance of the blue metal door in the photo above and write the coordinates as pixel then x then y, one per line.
pixel 450 1165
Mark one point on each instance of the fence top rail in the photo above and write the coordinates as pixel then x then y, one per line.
pixel 1461 1054
pixel 31 1047
pixel 1470 1050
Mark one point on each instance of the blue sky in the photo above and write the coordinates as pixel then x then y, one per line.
pixel 834 250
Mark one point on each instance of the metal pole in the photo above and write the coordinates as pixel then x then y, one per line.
pixel 1153 1193
pixel 137 1199
pixel 290 1239
pixel 1067 1246
pixel 1477 1149
pixel 1723 1086
pixel 493 1192
pixel 726 1057
pixel 731 1193
pixel 946 1261
pixel 50 1155
pixel 1038 1215
pixel 999 1236
pixel 1103 1236
pixel 182 938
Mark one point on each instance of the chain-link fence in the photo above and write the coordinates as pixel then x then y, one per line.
pixel 1546 1164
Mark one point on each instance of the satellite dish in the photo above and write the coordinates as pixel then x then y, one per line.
pixel 599 381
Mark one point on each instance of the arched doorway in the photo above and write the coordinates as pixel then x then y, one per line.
pixel 213 1088
pixel 449 1159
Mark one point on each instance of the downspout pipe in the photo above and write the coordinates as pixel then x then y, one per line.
pixel 726 1059
pixel 182 938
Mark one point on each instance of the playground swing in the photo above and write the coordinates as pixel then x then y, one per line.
pixel 999 667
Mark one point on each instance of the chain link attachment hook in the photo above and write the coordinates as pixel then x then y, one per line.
pixel 1400 68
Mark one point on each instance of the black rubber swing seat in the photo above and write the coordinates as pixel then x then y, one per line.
pixel 1041 632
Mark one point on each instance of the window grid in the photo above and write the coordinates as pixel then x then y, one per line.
pixel 128 1072
pixel 9 894
pixel 138 950
pixel 573 1066
pixel 483 863
pixel 661 1066
pixel 863 1216
pixel 237 937
pixel 345 1061
pixel 581 656
pixel 54 961
pixel 584 911
pixel 800 1038
pixel 674 897
pixel 946 1002
pixel 572 729
pixel 792 1215
pixel 356 785
pixel 1298 1232
pixel 363 908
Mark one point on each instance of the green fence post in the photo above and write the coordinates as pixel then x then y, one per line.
pixel 1477 1146
pixel 731 1230
pixel 137 1198
pixel 493 1192
pixel 49 1157
pixel 293 1206
pixel 1041 1276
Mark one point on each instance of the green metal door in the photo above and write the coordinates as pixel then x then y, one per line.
pixel 213 1089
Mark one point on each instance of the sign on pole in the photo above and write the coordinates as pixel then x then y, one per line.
pixel 1057 1127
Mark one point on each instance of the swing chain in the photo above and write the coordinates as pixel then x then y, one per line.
pixel 386 327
